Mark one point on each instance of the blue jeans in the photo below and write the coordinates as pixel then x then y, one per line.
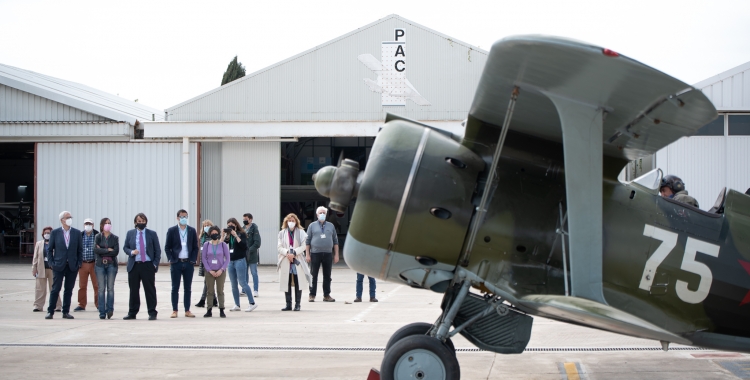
pixel 105 277
pixel 254 271
pixel 360 278
pixel 238 274
pixel 181 270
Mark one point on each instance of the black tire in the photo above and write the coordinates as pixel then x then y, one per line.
pixel 417 328
pixel 419 357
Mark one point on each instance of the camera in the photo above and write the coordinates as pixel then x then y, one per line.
pixel 228 230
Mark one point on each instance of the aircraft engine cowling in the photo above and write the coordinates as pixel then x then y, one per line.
pixel 414 204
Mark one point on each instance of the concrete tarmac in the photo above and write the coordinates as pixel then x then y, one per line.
pixel 340 340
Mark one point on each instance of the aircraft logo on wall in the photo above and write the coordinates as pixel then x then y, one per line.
pixel 391 82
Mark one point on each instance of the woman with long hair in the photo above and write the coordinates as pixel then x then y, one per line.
pixel 291 263
pixel 236 239
pixel 41 269
pixel 106 248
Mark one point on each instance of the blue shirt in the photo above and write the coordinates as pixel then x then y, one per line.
pixel 138 244
pixel 88 247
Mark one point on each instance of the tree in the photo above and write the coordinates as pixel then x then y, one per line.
pixel 235 70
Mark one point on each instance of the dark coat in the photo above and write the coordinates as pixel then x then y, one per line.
pixel 103 243
pixel 59 255
pixel 173 245
pixel 253 244
pixel 152 247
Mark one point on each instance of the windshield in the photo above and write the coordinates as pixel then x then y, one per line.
pixel 650 180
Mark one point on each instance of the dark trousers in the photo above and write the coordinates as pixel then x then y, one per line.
pixel 146 273
pixel 326 260
pixel 181 270
pixel 57 284
pixel 292 278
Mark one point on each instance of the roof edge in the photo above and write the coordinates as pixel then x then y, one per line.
pixel 308 51
pixel 723 75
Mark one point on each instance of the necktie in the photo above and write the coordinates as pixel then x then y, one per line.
pixel 143 246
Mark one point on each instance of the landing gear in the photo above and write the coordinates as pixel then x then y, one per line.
pixel 418 328
pixel 419 357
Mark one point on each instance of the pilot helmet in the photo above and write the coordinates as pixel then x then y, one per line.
pixel 673 182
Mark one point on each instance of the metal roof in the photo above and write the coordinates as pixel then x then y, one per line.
pixel 77 95
pixel 325 83
pixel 729 90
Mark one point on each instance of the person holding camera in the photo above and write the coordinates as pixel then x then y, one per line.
pixel 215 258
pixel 236 239
pixel 291 264
pixel 106 248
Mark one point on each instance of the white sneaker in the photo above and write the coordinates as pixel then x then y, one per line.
pixel 251 308
pixel 235 308
pixel 255 293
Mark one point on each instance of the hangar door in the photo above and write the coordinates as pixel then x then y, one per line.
pixel 113 180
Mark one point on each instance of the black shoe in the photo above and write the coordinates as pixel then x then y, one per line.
pixel 221 313
pixel 296 307
pixel 58 310
pixel 67 316
pixel 151 317
pixel 201 303
pixel 48 316
pixel 208 313
pixel 35 310
pixel 79 309
pixel 128 317
pixel 297 300
pixel 109 315
pixel 102 316
pixel 288 301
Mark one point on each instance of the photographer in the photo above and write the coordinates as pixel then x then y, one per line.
pixel 235 238
pixel 291 264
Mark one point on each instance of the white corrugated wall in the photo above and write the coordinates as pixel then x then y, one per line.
pixel 251 182
pixel 211 182
pixel 32 131
pixel 114 180
pixel 17 105
pixel 326 83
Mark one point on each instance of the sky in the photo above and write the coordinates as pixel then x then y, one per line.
pixel 165 52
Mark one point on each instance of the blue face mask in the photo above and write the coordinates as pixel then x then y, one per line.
pixel 322 217
pixel 206 228
pixel 183 221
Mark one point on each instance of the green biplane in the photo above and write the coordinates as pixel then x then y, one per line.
pixel 527 209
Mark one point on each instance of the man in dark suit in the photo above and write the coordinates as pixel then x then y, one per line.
pixel 182 252
pixel 65 255
pixel 142 247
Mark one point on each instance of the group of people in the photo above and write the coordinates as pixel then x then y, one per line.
pixel 67 252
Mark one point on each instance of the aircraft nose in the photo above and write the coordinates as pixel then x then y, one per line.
pixel 413 202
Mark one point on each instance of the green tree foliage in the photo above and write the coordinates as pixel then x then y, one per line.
pixel 235 70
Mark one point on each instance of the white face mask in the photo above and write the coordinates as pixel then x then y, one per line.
pixel 291 224
pixel 46 236
pixel 88 227
pixel 69 222
pixel 322 217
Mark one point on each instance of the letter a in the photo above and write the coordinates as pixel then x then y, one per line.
pixel 400 50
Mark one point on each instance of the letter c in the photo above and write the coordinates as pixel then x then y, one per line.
pixel 402 68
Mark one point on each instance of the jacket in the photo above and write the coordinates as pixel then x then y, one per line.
pixel 59 255
pixel 282 265
pixel 682 196
pixel 38 261
pixel 173 245
pixel 253 243
pixel 152 247
pixel 103 244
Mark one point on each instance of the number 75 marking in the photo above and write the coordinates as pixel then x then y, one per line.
pixel 692 247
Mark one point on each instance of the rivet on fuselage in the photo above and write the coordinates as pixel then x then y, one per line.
pixel 440 213
pixel 487 239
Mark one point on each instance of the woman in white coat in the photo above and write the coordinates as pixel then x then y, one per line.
pixel 291 264
pixel 40 269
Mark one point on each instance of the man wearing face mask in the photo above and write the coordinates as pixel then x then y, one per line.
pixel 322 243
pixel 65 255
pixel 142 247
pixel 88 267
pixel 253 244
pixel 182 252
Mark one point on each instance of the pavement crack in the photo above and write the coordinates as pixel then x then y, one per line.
pixel 491 367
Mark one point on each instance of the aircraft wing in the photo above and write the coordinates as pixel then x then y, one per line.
pixel 371 62
pixel 414 95
pixel 374 87
pixel 645 109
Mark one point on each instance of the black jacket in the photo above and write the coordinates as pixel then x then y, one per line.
pixel 253 244
pixel 173 245
pixel 239 250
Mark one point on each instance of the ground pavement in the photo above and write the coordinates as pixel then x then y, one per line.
pixel 340 340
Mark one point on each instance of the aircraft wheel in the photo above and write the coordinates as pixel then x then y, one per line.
pixel 417 328
pixel 419 357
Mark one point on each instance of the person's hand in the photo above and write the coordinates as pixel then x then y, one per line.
pixel 290 257
pixel 307 258
pixel 234 233
pixel 223 235
pixel 134 252
pixel 335 259
pixel 34 272
pixel 97 246
pixel 219 272
pixel 110 249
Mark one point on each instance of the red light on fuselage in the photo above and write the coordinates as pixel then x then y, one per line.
pixel 610 53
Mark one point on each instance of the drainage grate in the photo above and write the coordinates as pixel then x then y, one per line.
pixel 298 348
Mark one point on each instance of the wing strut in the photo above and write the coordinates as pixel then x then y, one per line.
pixel 583 153
pixel 482 209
